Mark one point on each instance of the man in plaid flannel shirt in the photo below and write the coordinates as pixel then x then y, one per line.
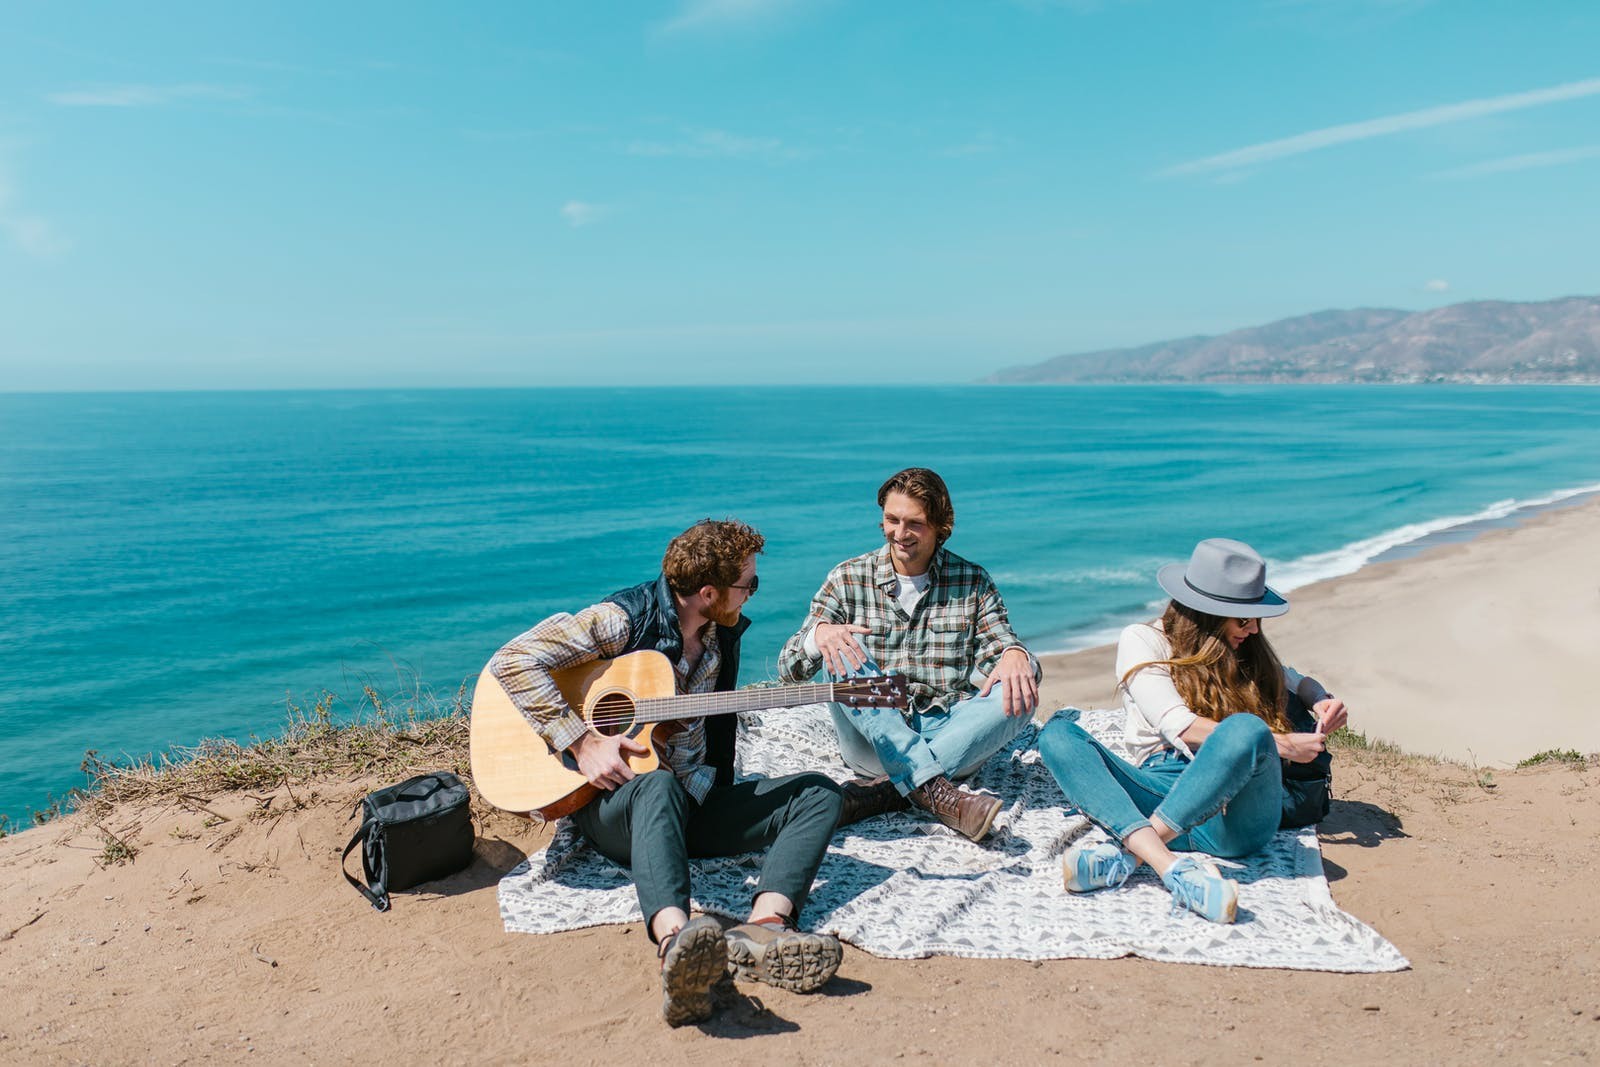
pixel 689 806
pixel 915 608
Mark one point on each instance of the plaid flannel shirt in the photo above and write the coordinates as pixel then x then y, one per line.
pixel 957 629
pixel 523 668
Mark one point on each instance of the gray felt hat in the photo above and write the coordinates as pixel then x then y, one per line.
pixel 1224 578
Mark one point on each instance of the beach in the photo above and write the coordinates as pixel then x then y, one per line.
pixel 230 935
pixel 1474 651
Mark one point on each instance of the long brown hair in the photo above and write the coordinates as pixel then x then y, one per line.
pixel 1215 679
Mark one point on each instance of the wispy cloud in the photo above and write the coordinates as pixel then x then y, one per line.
pixel 715 14
pixel 713 144
pixel 31 234
pixel 1530 161
pixel 1329 136
pixel 141 95
pixel 580 213
pixel 1437 285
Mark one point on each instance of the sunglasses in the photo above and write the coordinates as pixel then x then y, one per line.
pixel 750 590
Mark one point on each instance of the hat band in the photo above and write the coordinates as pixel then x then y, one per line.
pixel 1219 596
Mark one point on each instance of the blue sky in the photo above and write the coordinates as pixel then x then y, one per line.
pixel 756 191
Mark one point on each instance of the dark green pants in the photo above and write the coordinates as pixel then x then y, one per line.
pixel 652 826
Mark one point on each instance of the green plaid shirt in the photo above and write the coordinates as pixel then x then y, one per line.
pixel 957 630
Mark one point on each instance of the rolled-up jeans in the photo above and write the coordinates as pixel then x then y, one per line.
pixel 914 749
pixel 1226 801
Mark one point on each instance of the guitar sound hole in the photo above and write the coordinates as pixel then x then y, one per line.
pixel 612 713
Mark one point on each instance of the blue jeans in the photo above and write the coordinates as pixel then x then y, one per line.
pixel 953 743
pixel 1226 801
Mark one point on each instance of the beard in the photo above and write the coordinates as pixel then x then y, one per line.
pixel 722 610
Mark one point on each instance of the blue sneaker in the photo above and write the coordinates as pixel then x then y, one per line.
pixel 1088 866
pixel 1197 885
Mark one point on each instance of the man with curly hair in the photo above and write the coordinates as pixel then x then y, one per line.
pixel 915 608
pixel 653 823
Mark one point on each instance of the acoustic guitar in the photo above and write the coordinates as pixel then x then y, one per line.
pixel 515 769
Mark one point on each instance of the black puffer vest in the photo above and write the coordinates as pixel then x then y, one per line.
pixel 653 624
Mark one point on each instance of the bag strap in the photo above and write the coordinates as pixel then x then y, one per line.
pixel 379 899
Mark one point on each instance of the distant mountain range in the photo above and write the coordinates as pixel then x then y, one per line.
pixel 1484 341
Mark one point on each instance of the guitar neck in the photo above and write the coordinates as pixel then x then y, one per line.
pixel 698 705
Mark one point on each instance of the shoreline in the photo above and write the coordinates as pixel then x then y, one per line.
pixel 1402 542
pixel 1440 649
pixel 1080 674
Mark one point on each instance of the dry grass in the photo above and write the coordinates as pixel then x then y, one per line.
pixel 1395 775
pixel 115 850
pixel 381 739
pixel 1569 756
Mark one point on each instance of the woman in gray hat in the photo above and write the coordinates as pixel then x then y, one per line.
pixel 1227 742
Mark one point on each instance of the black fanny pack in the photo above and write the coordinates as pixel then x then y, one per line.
pixel 411 833
pixel 1307 787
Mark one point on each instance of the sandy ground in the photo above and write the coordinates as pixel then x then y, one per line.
pixel 231 936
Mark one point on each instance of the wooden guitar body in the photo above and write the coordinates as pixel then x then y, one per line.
pixel 513 767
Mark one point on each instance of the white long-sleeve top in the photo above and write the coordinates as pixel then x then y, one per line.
pixel 1157 715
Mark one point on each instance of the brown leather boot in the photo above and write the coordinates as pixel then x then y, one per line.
pixel 866 797
pixel 964 810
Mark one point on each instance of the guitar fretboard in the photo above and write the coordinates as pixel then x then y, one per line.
pixel 694 705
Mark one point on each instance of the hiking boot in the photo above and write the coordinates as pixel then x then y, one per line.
pixel 692 960
pixel 866 797
pixel 1196 884
pixel 771 950
pixel 1088 866
pixel 966 811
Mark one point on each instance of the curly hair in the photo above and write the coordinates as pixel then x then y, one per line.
pixel 1216 680
pixel 929 490
pixel 711 552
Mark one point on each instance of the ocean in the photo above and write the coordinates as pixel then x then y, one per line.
pixel 176 566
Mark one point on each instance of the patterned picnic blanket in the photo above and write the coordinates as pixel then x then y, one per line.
pixel 903 886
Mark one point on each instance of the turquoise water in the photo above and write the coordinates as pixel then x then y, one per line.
pixel 176 566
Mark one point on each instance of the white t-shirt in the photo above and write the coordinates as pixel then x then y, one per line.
pixel 1156 713
pixel 908 590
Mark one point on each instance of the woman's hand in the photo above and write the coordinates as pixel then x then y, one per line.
pixel 1330 714
pixel 1300 748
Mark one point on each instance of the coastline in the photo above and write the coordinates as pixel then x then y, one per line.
pixel 1474 650
pixel 221 930
pixel 1403 542
pixel 270 575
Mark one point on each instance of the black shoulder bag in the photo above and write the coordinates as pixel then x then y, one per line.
pixel 411 833
pixel 1307 787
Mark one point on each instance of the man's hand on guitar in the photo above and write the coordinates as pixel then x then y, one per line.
pixel 603 758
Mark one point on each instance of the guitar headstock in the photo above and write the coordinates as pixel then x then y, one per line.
pixel 879 691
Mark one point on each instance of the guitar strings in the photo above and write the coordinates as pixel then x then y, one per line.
pixel 724 703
